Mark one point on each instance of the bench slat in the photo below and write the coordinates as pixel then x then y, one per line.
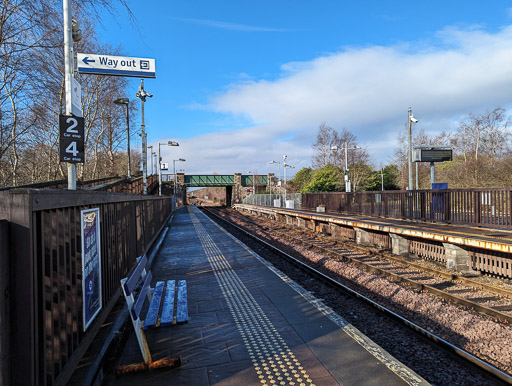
pixel 181 309
pixel 132 280
pixel 154 306
pixel 139 302
pixel 168 307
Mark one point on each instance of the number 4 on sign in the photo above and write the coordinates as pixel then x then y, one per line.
pixel 72 149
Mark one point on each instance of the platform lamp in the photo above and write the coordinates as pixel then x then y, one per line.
pixel 345 171
pixel 285 165
pixel 174 164
pixel 151 152
pixel 169 143
pixel 126 102
pixel 278 169
pixel 253 184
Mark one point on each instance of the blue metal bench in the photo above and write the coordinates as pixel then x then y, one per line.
pixel 160 313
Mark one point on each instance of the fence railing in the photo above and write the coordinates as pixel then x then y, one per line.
pixel 275 200
pixel 63 184
pixel 476 207
pixel 134 185
pixel 44 260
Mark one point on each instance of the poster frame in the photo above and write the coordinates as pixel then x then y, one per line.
pixel 88 317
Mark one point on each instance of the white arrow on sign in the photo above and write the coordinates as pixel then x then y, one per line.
pixel 116 65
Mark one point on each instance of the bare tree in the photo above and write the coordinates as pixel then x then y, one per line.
pixel 322 147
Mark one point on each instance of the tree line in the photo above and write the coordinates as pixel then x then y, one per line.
pixel 32 94
pixel 482 158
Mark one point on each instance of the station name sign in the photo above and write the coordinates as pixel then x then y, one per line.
pixel 116 65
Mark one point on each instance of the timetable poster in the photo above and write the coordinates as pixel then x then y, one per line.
pixel 91 264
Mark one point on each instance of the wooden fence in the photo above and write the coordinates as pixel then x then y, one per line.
pixel 476 207
pixel 41 321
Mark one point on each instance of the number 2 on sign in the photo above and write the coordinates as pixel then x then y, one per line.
pixel 72 148
pixel 71 129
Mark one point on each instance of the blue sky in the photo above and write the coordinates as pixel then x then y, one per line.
pixel 240 83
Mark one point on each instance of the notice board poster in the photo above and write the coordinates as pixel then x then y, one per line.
pixel 91 264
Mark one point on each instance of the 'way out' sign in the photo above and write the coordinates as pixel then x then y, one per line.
pixel 116 65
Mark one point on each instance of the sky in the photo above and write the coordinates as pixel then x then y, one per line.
pixel 241 83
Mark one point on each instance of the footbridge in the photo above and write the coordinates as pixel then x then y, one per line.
pixel 232 182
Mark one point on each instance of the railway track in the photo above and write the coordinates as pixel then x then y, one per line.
pixel 409 274
pixel 484 298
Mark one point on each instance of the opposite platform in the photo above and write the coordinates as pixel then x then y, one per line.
pixel 249 324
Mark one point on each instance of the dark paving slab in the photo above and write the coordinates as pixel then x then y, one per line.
pixel 246 325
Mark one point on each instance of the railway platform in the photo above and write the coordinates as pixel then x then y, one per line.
pixel 248 323
pixel 467 249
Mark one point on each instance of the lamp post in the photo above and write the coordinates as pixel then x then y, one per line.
pixel 382 179
pixel 345 172
pixel 278 169
pixel 348 187
pixel 126 102
pixel 410 121
pixel 174 163
pixel 71 34
pixel 285 165
pixel 142 94
pixel 284 176
pixel 253 184
pixel 151 152
pixel 169 143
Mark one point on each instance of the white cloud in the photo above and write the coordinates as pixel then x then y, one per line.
pixel 367 90
pixel 232 26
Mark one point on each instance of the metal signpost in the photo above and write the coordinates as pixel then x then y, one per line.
pixel 123 66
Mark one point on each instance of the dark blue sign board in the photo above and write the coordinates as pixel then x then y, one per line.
pixel 438 198
pixel 440 185
pixel 91 265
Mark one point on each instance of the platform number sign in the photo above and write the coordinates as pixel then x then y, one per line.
pixel 71 147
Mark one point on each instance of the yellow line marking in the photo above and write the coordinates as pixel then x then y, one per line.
pixel 255 328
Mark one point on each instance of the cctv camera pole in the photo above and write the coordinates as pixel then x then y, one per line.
pixel 142 97
pixel 68 48
pixel 128 141
pixel 347 181
pixel 284 175
pixel 409 137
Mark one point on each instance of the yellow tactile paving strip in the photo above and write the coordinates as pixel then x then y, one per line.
pixel 272 360
pixel 391 363
pixel 269 361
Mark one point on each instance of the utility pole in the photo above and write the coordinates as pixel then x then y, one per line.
pixel 150 147
pixel 68 71
pixel 284 174
pixel 142 94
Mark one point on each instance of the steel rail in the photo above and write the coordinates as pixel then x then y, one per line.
pixel 422 331
pixel 421 287
pixel 489 311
